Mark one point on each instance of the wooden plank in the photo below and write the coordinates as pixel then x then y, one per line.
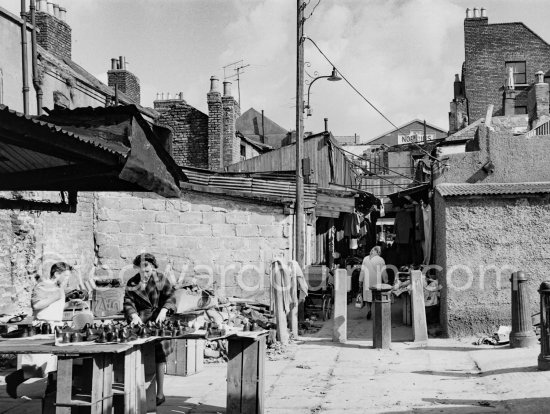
pixel 97 384
pixel 139 374
pixel 261 372
pixel 249 392
pixel 171 360
pixel 181 357
pixel 199 361
pixel 130 382
pixel 190 357
pixel 150 367
pixel 420 328
pixel 64 384
pixel 107 384
pixel 234 375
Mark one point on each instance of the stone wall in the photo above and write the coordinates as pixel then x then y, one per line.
pixel 516 158
pixel 204 237
pixel 30 242
pixel 487 49
pixel 479 243
pixel 213 239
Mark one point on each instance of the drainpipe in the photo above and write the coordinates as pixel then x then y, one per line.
pixel 35 81
pixel 24 57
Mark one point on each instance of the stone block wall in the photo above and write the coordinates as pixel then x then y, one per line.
pixel 30 242
pixel 190 132
pixel 480 242
pixel 203 237
pixel 487 49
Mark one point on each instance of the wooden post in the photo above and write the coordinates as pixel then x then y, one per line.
pixel 339 330
pixel 420 328
pixel 245 375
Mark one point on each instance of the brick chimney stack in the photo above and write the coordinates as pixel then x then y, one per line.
pixel 126 81
pixel 54 33
pixel 215 131
pixel 538 99
pixel 231 111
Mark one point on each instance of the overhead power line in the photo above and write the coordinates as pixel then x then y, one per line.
pixel 366 100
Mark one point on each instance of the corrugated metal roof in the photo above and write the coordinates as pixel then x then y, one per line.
pixel 465 189
pixel 9 117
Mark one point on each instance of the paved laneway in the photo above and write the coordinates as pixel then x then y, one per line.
pixel 320 376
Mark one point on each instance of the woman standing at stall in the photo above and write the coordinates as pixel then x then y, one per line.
pixel 149 296
pixel 47 303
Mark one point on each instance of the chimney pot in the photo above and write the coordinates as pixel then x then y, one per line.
pixel 62 13
pixel 56 10
pixel 226 88
pixel 468 14
pixel 326 124
pixel 39 5
pixel 158 96
pixel 539 77
pixel 476 12
pixel 49 8
pixel 162 96
pixel 122 62
pixel 168 96
pixel 181 96
pixel 457 77
pixel 214 84
pixel 483 12
pixel 113 63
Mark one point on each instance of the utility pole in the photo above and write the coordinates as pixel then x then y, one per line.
pixel 299 205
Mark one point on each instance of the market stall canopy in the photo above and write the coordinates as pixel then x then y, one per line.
pixel 410 195
pixel 86 149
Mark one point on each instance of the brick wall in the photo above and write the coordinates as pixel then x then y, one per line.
pixel 30 242
pixel 215 130
pixel 199 235
pixel 190 132
pixel 231 143
pixel 127 82
pixel 487 48
pixel 54 35
pixel 480 242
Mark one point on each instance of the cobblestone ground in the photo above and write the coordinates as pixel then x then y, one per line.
pixel 319 376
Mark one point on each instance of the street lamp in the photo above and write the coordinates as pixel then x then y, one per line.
pixel 333 77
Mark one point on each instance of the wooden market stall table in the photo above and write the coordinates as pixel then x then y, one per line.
pixel 114 369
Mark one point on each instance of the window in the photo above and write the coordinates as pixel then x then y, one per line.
pixel 520 110
pixel 243 152
pixel 520 76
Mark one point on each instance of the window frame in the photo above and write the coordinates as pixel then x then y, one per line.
pixel 512 62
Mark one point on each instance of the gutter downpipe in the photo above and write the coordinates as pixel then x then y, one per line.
pixel 35 80
pixel 24 57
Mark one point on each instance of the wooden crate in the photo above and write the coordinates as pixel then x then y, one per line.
pixel 107 301
pixel 245 375
pixel 187 358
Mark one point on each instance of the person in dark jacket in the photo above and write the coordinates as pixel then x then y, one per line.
pixel 149 296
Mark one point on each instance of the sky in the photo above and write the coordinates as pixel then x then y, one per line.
pixel 400 54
